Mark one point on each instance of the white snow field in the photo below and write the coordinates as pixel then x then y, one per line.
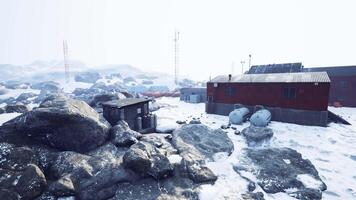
pixel 331 149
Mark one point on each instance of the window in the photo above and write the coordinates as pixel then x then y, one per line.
pixel 289 93
pixel 230 91
pixel 139 110
pixel 215 84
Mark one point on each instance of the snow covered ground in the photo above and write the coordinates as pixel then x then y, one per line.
pixel 332 150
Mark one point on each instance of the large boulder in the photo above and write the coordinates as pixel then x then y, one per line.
pixel 278 170
pixel 196 143
pixel 31 183
pixel 87 77
pixel 62 123
pixel 16 108
pixel 97 100
pixel 255 135
pixel 122 135
pixel 92 176
pixel 16 158
pixel 145 159
pixel 201 140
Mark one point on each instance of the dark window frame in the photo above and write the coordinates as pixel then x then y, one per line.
pixel 289 92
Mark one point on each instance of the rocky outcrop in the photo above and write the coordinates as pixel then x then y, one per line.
pixel 47 85
pixel 16 108
pixel 197 142
pixel 25 96
pixel 146 160
pixel 122 135
pixel 255 135
pixel 62 123
pixel 277 170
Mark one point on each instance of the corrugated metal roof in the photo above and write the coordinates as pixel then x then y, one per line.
pixel 301 77
pixel 276 68
pixel 125 102
pixel 334 71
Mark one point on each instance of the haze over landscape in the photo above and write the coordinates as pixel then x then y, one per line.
pixel 213 33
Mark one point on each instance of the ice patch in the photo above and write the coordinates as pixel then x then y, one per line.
pixel 309 182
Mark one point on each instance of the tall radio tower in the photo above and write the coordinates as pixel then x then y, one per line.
pixel 176 56
pixel 65 60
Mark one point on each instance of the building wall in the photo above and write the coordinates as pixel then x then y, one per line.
pixel 186 92
pixel 343 90
pixel 308 95
pixel 296 116
pixel 113 115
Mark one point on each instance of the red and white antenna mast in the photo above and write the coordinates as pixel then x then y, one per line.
pixel 65 61
pixel 176 56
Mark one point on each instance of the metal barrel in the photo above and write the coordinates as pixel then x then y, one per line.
pixel 238 116
pixel 261 118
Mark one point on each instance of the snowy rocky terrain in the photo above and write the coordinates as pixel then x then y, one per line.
pixel 331 150
pixel 70 150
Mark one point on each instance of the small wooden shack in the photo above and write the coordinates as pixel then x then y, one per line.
pixel 135 111
pixel 300 98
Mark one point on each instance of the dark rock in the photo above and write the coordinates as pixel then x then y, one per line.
pixel 177 187
pixel 255 135
pixel 8 178
pixel 201 140
pixel 197 171
pixel 9 195
pixel 197 142
pixel 181 122
pixel 251 186
pixel 237 132
pixel 160 141
pixel 168 137
pixel 253 196
pixel 62 187
pixel 68 161
pixel 224 127
pixel 307 194
pixel 101 98
pixel 16 108
pixel 278 170
pixel 62 123
pixel 31 183
pixel 122 135
pixel 16 158
pixel 2 111
pixel 145 159
pixel 195 121
pixel 87 77
pixel 48 196
pixel 25 96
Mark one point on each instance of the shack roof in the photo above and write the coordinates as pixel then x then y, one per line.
pixel 276 68
pixel 125 102
pixel 334 71
pixel 301 77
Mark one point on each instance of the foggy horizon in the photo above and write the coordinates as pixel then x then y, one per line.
pixel 213 34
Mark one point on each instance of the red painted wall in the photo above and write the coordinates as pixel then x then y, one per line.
pixel 341 92
pixel 308 95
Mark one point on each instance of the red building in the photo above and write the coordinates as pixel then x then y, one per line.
pixel 300 98
pixel 343 84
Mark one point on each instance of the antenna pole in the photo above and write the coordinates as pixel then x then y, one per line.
pixel 249 61
pixel 65 61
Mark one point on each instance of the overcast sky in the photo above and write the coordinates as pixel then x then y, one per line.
pixel 213 33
